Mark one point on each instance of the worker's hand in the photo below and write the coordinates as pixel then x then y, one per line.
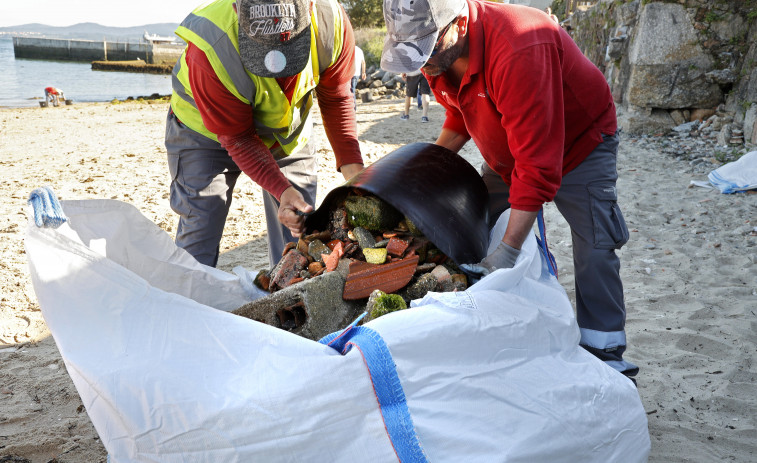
pixel 292 210
pixel 363 77
pixel 350 170
pixel 504 256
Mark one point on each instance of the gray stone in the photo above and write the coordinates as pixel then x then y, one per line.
pixel 320 298
pixel 668 65
pixel 615 47
pixel 388 77
pixel 626 14
pixel 366 97
pixel 724 136
pixel 721 76
pixel 316 248
pixel 425 283
pixel 378 75
pixel 750 124
pixel 729 28
pixel 364 238
pixel 678 117
pixel 686 127
pixel 637 120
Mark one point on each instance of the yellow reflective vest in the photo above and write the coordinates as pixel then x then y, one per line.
pixel 213 28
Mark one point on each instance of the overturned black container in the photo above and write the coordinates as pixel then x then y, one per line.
pixel 439 191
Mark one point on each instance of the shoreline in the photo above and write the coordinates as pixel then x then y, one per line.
pixel 151 99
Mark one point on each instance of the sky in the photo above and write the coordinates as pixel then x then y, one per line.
pixel 105 12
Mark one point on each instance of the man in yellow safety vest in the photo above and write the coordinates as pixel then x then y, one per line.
pixel 241 102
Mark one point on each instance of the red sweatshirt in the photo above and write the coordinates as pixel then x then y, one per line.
pixel 533 103
pixel 232 120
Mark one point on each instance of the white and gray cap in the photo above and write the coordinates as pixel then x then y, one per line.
pixel 412 29
pixel 274 36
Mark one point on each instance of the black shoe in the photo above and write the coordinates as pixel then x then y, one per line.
pixel 631 376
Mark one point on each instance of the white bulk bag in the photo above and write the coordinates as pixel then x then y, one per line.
pixel 494 373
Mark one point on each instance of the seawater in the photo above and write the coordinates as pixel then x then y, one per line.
pixel 23 81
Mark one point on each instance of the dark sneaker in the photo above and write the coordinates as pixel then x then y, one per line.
pixel 424 119
pixel 631 374
pixel 405 117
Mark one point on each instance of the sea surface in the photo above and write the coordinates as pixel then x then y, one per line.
pixel 23 81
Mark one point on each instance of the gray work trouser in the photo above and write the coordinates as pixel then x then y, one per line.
pixel 587 198
pixel 203 176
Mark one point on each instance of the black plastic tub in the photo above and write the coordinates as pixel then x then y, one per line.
pixel 439 191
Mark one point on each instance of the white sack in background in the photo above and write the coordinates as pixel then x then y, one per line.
pixel 494 373
pixel 736 176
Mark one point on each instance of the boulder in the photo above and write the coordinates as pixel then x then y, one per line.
pixel 668 65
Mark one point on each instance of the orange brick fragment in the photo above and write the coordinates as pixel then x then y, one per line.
pixel 332 260
pixel 397 246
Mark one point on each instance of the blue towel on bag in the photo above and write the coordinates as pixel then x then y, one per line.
pixel 47 210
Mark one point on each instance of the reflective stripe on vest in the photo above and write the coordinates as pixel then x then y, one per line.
pixel 213 28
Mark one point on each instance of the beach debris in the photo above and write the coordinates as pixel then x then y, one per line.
pixel 369 246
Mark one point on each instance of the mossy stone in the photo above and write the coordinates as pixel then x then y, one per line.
pixel 371 213
pixel 387 303
pixel 412 228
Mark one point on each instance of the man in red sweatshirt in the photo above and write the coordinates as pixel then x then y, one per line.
pixel 543 118
pixel 242 98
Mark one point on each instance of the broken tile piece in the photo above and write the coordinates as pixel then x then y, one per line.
pixel 363 277
pixel 397 246
pixel 287 269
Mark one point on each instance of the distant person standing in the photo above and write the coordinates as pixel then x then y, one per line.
pixel 416 86
pixel 54 95
pixel 359 72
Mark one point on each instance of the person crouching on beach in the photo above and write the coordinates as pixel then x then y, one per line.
pixel 54 95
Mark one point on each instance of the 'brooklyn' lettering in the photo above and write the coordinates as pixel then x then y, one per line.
pixel 279 10
pixel 269 26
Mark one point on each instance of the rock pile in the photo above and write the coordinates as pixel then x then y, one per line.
pixel 707 142
pixel 380 84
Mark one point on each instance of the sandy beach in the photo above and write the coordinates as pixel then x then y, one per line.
pixel 689 270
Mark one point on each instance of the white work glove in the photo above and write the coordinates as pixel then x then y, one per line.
pixel 502 257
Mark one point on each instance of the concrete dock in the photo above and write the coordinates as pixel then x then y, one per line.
pixel 89 50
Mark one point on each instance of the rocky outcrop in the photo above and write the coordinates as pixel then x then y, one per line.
pixel 672 62
pixel 380 84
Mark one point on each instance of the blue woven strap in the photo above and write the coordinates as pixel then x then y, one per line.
pixel 386 384
pixel 543 247
pixel 47 210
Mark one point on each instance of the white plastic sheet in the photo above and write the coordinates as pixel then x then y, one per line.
pixel 494 373
pixel 736 176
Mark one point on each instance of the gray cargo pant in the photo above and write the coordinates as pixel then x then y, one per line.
pixel 587 198
pixel 203 176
